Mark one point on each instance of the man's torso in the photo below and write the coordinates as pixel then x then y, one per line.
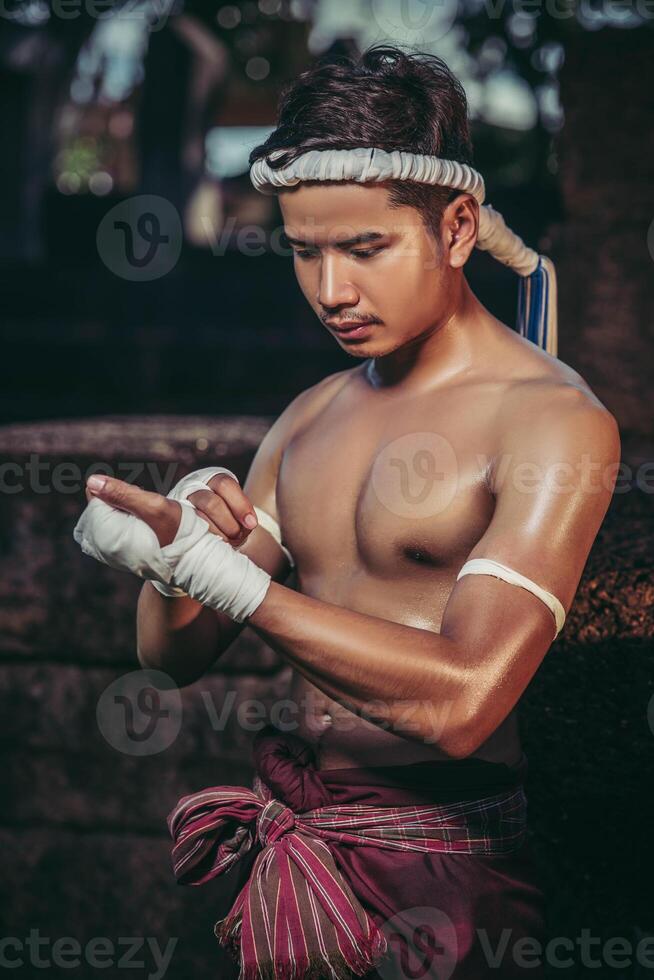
pixel 381 498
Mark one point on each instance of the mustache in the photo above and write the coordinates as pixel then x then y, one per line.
pixel 346 319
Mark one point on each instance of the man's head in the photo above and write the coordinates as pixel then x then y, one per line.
pixel 404 278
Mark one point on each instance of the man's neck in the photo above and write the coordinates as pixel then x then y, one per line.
pixel 452 347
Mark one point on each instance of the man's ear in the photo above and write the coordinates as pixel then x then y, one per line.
pixel 460 227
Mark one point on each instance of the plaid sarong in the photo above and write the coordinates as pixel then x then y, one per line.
pixel 297 918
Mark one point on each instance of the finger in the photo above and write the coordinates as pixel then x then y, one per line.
pixel 158 512
pixel 125 496
pixel 240 506
pixel 214 509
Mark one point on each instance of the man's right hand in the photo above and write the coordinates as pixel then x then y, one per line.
pixel 222 502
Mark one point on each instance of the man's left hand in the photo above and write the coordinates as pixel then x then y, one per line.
pixel 158 512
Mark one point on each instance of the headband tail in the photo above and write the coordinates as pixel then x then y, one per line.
pixel 537 317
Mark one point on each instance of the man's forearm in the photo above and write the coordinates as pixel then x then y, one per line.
pixel 407 679
pixel 179 635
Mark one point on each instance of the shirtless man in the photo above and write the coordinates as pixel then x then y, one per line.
pixel 378 613
pixel 451 438
pixel 525 457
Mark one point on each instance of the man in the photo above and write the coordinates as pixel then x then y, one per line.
pixel 452 438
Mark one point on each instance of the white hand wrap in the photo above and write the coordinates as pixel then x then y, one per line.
pixel 198 561
pixel 197 480
pixel 120 540
pixel 213 572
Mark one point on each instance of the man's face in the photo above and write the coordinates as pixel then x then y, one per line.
pixel 398 277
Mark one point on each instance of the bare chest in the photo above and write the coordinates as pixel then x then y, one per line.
pixel 385 492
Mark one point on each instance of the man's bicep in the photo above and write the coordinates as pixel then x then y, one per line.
pixel 551 498
pixel 553 485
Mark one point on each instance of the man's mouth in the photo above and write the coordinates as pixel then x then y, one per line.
pixel 351 328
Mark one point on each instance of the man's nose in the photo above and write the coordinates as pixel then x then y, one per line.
pixel 335 288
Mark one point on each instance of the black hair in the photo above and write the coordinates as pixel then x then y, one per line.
pixel 389 99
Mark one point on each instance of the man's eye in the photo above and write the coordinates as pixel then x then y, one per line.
pixel 367 253
pixel 305 253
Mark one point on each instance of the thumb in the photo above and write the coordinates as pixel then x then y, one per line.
pixel 159 513
pixel 125 496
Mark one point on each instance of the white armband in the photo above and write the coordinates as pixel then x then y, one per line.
pixel 268 523
pixel 487 566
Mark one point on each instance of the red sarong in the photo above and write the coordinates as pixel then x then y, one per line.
pixel 357 869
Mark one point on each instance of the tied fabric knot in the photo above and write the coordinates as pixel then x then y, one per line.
pixel 297 918
pixel 274 820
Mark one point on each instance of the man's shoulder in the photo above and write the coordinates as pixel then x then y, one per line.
pixel 324 389
pixel 313 399
pixel 306 406
pixel 262 476
pixel 551 401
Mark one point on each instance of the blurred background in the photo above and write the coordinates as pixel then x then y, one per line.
pixel 151 323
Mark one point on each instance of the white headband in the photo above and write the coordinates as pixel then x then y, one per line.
pixel 537 296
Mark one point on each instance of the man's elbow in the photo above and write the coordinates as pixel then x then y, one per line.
pixel 452 725
pixel 162 673
pixel 462 746
pixel 458 745
pixel 468 737
pixel 461 740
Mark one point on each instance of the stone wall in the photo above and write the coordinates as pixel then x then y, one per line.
pixel 86 851
pixel 604 249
